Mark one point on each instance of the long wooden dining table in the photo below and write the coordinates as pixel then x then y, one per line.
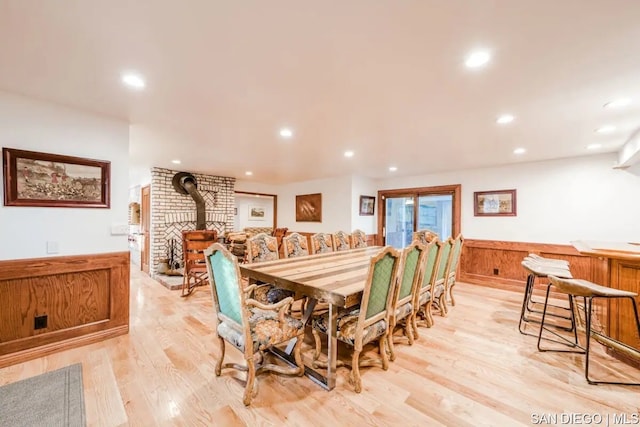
pixel 336 278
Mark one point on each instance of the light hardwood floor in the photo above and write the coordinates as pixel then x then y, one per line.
pixel 472 368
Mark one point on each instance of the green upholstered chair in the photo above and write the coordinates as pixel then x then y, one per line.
pixel 321 243
pixel 405 293
pixel 341 241
pixel 247 324
pixel 369 321
pixel 358 239
pixel 424 301
pixel 440 285
pixel 294 245
pixel 456 251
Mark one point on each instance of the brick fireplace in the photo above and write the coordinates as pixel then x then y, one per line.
pixel 172 212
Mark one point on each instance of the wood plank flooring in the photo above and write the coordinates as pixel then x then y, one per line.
pixel 472 368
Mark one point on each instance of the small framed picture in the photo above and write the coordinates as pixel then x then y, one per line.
pixel 494 203
pixel 367 205
pixel 256 213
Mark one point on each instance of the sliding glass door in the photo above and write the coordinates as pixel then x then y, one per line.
pixel 407 210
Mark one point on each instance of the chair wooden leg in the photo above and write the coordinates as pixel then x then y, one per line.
pixel 408 331
pixel 298 356
pixel 414 325
pixel 442 304
pixel 318 349
pixel 383 353
pixel 453 300
pixel 391 348
pixel 251 377
pixel 221 360
pixel 355 371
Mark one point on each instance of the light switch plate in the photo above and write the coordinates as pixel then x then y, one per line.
pixel 119 229
pixel 53 247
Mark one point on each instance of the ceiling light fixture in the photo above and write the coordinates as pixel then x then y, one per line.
pixel 477 59
pixel 349 153
pixel 133 80
pixel 519 151
pixel 392 168
pixel 594 146
pixel 176 162
pixel 504 119
pixel 617 103
pixel 286 133
pixel 248 173
pixel 606 129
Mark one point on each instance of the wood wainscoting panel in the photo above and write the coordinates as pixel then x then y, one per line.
pixel 84 298
pixel 625 275
pixel 497 263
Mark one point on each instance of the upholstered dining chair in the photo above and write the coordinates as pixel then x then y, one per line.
pixel 247 324
pixel 321 243
pixel 294 245
pixel 440 285
pixel 261 248
pixel 358 239
pixel 341 241
pixel 427 292
pixel 279 233
pixel 452 267
pixel 425 236
pixel 368 322
pixel 406 291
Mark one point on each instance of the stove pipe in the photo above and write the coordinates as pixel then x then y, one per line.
pixel 185 183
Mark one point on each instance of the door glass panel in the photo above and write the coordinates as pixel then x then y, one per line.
pixel 399 221
pixel 436 213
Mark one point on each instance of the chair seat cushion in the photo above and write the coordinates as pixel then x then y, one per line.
pixel 266 330
pixel 403 311
pixel 347 322
pixel 427 295
pixel 269 294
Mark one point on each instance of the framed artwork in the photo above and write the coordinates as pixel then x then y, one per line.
pixel 494 203
pixel 256 213
pixel 54 180
pixel 309 208
pixel 367 205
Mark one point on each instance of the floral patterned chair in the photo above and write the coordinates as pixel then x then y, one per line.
pixel 425 236
pixel 294 245
pixel 406 291
pixel 261 248
pixel 424 300
pixel 341 241
pixel 367 322
pixel 321 243
pixel 247 324
pixel 456 251
pixel 358 239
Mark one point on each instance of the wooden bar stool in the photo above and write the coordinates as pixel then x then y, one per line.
pixel 590 291
pixel 539 267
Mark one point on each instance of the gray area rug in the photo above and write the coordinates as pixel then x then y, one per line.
pixel 52 399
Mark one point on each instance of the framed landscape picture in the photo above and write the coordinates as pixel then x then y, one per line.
pixel 367 205
pixel 54 180
pixel 494 203
pixel 256 213
pixel 309 208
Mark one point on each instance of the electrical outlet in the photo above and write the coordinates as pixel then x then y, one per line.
pixel 496 271
pixel 40 322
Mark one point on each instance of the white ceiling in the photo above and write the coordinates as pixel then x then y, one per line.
pixel 383 78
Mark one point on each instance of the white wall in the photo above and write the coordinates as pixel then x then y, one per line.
pixel 245 203
pixel 557 201
pixel 336 204
pixel 37 126
pixel 361 186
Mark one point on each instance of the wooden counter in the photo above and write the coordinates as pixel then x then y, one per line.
pixel 623 261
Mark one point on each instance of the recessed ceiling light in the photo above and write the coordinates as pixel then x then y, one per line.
pixel 349 153
pixel 248 173
pixel 594 146
pixel 606 129
pixel 393 169
pixel 286 133
pixel 133 80
pixel 176 162
pixel 477 59
pixel 519 151
pixel 504 119
pixel 617 103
